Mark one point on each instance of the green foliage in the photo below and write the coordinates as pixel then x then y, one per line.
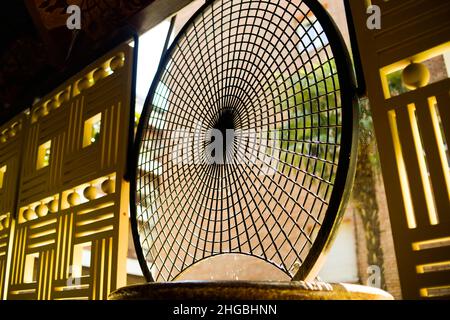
pixel 367 141
pixel 395 83
pixel 364 194
pixel 310 106
pixel 311 109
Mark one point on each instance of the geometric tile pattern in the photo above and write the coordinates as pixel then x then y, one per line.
pixel 64 231
pixel 413 134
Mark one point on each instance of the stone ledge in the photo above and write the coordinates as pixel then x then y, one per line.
pixel 246 290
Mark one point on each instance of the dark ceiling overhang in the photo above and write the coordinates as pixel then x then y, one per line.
pixel 38 51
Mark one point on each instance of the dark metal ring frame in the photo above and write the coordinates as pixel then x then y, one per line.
pixel 347 155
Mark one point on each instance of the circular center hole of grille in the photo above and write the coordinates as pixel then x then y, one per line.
pixel 222 136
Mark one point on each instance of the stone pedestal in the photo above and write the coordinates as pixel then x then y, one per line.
pixel 248 290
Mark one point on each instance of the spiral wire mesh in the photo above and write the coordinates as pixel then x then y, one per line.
pixel 263 74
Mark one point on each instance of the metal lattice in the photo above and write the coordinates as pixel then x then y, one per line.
pixel 276 75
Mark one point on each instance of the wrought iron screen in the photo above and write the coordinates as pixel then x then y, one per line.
pixel 273 78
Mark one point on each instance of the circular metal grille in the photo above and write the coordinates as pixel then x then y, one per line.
pixel 245 142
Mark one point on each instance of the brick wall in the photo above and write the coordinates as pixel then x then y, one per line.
pixel 390 264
